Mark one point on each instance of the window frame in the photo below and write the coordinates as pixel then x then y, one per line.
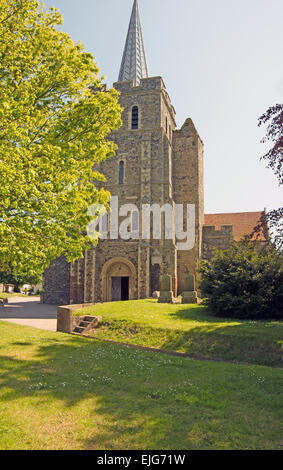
pixel 135 118
pixel 121 172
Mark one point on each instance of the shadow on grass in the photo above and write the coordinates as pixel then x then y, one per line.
pixel 204 342
pixel 199 313
pixel 128 410
pixel 224 341
pixel 202 313
pixel 139 400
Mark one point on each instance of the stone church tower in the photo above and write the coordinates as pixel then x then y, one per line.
pixel 155 164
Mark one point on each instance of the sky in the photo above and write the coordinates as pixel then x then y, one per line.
pixel 222 64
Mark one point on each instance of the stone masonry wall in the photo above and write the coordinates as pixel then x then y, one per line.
pixel 188 179
pixel 212 238
pixel 147 156
pixel 56 283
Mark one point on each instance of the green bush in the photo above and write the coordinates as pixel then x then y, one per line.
pixel 245 281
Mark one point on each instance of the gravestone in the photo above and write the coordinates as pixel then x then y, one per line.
pixel 189 296
pixel 166 293
pixel 9 288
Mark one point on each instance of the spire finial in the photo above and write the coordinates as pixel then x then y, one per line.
pixel 134 62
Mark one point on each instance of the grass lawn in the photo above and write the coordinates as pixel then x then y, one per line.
pixel 59 391
pixel 189 329
pixel 8 296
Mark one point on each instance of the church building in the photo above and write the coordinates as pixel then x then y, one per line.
pixel 155 166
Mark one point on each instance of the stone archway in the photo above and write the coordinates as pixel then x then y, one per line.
pixel 118 268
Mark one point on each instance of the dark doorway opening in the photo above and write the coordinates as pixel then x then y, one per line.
pixel 120 288
pixel 124 288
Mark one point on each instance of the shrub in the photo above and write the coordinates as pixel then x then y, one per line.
pixel 245 281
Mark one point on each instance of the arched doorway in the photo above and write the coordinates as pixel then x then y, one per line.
pixel 118 280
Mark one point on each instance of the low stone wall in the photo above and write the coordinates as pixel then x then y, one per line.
pixel 65 320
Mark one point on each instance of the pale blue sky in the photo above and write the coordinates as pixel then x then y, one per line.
pixel 222 64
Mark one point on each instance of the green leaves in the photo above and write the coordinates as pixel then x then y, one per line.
pixel 245 281
pixel 53 130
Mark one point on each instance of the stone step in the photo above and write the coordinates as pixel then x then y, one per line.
pixel 84 324
pixel 87 324
pixel 79 329
pixel 89 319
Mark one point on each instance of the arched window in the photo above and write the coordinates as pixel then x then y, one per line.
pixel 135 117
pixel 121 172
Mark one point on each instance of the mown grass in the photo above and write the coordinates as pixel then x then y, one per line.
pixel 65 392
pixel 3 295
pixel 189 329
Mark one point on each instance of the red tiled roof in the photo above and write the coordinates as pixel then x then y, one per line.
pixel 243 222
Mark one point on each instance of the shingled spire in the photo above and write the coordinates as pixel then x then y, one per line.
pixel 134 62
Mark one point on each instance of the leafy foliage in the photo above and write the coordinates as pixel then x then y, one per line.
pixel 274 157
pixel 245 281
pixel 18 279
pixel 270 224
pixel 55 117
pixel 273 117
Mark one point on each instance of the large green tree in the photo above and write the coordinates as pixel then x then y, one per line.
pixel 55 117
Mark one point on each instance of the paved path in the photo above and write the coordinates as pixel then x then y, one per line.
pixel 30 312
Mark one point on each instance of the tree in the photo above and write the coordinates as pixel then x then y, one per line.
pixel 20 279
pixel 245 281
pixel 274 157
pixel 55 118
